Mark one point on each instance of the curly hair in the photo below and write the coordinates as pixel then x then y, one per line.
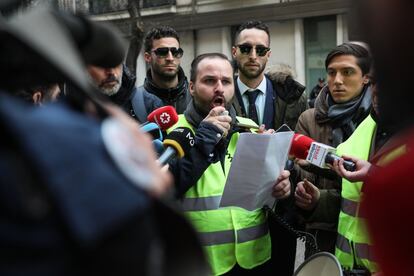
pixel 158 33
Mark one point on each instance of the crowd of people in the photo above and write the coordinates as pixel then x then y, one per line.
pixel 81 189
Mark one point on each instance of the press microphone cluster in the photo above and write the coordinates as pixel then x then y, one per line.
pixel 177 144
pixel 158 121
pixel 318 154
pixel 165 117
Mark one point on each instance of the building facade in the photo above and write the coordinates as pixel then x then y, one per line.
pixel 302 31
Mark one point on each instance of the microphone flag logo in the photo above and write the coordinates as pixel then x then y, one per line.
pixel 165 118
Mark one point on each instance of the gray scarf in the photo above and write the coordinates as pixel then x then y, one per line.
pixel 344 117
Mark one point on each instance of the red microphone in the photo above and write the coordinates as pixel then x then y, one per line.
pixel 300 146
pixel 165 117
pixel 318 154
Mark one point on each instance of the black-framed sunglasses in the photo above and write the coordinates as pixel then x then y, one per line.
pixel 163 52
pixel 261 51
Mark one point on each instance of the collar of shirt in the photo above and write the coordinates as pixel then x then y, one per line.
pixel 243 88
pixel 261 98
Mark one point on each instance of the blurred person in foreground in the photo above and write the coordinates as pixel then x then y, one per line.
pixel 389 185
pixel 68 205
pixel 236 241
pixel 40 95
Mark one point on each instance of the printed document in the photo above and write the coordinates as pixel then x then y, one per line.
pixel 257 163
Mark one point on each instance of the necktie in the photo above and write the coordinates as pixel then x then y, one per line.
pixel 252 95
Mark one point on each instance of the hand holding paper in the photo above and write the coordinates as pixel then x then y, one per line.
pixel 257 164
pixel 281 189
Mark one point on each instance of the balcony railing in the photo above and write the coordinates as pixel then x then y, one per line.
pixel 157 3
pixel 108 6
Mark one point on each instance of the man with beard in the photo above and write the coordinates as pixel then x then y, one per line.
pixel 266 99
pixel 339 108
pixel 165 78
pixel 119 84
pixel 272 100
pixel 236 241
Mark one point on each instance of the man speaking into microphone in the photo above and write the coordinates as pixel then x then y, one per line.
pixel 236 241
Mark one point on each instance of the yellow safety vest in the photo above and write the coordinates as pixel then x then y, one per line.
pixel 353 246
pixel 229 235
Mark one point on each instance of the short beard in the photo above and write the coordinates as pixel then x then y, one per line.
pixel 201 107
pixel 163 75
pixel 250 74
pixel 204 108
pixel 109 91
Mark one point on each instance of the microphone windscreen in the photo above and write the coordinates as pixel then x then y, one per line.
pixel 158 146
pixel 300 146
pixel 153 130
pixel 165 117
pixel 181 139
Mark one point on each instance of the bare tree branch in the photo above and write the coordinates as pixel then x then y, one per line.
pixel 137 34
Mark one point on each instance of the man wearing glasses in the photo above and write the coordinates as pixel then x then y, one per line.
pixel 165 78
pixel 270 100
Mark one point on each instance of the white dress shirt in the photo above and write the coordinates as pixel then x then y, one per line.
pixel 261 98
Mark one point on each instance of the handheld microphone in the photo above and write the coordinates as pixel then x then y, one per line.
pixel 152 129
pixel 318 154
pixel 158 146
pixel 177 143
pixel 165 117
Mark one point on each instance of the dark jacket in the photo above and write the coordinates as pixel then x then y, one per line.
pixel 126 93
pixel 179 96
pixel 288 98
pixel 313 94
pixel 66 208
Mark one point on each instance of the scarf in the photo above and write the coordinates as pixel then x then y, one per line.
pixel 343 117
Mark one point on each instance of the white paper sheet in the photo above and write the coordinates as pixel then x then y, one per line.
pixel 257 163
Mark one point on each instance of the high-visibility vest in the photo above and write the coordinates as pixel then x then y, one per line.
pixel 229 235
pixel 353 246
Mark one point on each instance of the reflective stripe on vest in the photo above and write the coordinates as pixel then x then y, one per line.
pixel 349 207
pixel 362 250
pixel 228 235
pixel 353 243
pixel 201 203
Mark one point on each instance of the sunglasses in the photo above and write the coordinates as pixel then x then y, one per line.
pixel 261 51
pixel 163 52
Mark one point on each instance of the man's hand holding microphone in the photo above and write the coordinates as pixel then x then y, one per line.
pixel 219 117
